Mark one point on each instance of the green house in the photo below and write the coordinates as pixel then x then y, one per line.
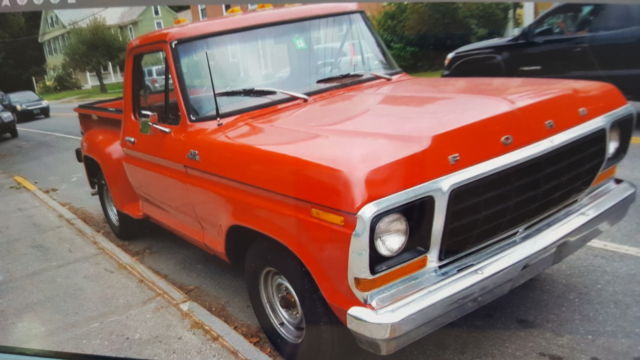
pixel 127 22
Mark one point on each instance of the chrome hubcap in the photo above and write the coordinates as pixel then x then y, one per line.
pixel 282 305
pixel 112 212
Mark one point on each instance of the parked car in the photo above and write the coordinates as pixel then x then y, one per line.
pixel 154 77
pixel 576 41
pixel 26 105
pixel 8 123
pixel 386 203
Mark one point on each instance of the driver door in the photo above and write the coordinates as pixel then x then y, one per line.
pixel 557 45
pixel 154 144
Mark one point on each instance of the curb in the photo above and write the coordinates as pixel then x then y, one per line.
pixel 225 334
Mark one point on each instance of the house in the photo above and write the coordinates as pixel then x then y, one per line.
pixel 127 22
pixel 204 12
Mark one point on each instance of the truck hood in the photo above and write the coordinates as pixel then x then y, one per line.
pixel 348 147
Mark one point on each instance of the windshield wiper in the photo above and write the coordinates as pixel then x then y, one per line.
pixel 352 75
pixel 261 92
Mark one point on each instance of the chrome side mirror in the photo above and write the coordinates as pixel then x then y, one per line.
pixel 149 120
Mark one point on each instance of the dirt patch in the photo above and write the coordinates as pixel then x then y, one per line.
pixel 253 334
pixel 97 223
pixel 49 191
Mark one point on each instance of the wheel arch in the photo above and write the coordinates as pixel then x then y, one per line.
pixel 479 65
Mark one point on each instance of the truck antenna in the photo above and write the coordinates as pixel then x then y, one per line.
pixel 213 90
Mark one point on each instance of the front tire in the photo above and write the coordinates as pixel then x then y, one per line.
pixel 122 225
pixel 14 132
pixel 289 306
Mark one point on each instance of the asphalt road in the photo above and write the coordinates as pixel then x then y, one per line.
pixel 584 308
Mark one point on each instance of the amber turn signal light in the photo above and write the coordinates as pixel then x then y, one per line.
pixel 328 217
pixel 607 174
pixel 409 268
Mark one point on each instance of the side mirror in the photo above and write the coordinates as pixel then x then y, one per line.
pixel 149 120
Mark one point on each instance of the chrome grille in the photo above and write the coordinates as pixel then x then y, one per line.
pixel 495 206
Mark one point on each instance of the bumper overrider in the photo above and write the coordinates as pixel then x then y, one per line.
pixel 388 329
pixel 400 312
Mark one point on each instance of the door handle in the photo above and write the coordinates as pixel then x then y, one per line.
pixel 165 130
pixel 130 140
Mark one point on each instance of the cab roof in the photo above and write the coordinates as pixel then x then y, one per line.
pixel 246 20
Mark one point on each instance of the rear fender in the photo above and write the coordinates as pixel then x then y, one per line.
pixel 103 149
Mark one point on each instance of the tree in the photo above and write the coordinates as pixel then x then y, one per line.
pixel 92 48
pixel 419 35
pixel 21 56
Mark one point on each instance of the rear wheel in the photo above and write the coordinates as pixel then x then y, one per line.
pixel 120 223
pixel 290 308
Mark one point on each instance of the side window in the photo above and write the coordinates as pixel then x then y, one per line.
pixel 617 17
pixel 155 92
pixel 566 20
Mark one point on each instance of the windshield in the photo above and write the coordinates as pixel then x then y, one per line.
pixel 290 57
pixel 23 96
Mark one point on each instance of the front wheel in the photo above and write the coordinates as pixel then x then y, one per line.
pixel 14 132
pixel 290 308
pixel 121 224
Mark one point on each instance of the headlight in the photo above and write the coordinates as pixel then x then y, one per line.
pixel 391 234
pixel 618 140
pixel 18 107
pixel 447 60
pixel 615 139
pixel 45 102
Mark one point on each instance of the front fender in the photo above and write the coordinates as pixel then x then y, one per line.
pixel 478 65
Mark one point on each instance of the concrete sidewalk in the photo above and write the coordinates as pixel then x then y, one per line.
pixel 58 291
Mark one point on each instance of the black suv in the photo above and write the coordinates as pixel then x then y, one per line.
pixel 575 41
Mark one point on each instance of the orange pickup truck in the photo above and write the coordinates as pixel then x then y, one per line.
pixel 289 142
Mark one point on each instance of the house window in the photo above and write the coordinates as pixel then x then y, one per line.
pixel 132 35
pixel 159 24
pixel 49 48
pixel 52 21
pixel 156 11
pixel 202 11
pixel 225 8
pixel 46 50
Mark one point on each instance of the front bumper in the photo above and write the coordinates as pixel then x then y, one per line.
pixel 385 330
pixel 33 112
pixel 7 125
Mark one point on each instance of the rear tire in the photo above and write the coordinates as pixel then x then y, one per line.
pixel 122 225
pixel 289 306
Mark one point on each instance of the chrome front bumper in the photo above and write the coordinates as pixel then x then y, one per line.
pixel 387 329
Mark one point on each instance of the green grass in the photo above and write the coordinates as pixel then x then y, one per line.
pixel 114 90
pixel 437 73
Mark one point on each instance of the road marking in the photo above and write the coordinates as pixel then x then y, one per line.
pixel 25 183
pixel 635 140
pixel 623 249
pixel 50 133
